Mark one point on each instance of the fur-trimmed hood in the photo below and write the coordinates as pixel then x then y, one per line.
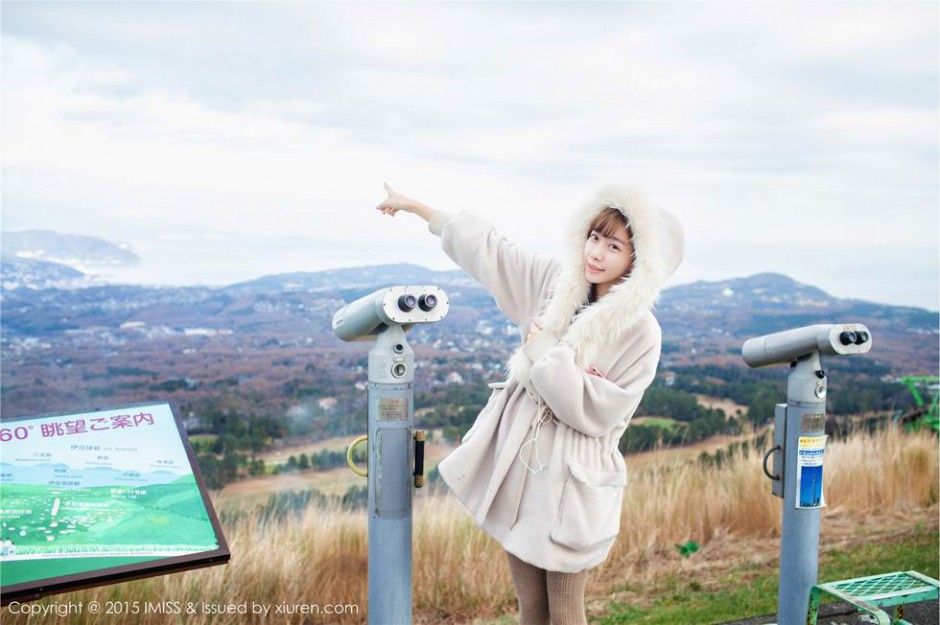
pixel 658 245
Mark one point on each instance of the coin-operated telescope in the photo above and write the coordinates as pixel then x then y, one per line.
pixel 799 446
pixel 396 453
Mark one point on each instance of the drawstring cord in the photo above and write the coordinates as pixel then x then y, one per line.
pixel 545 416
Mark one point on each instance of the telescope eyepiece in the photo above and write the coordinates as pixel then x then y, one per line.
pixel 849 338
pixel 427 302
pixel 407 302
pixel 861 338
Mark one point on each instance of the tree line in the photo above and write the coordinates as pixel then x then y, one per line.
pixel 239 438
pixel 323 460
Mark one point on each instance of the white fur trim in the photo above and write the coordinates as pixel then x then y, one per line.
pixel 658 243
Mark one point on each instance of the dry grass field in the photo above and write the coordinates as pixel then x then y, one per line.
pixel 875 485
pixel 731 409
pixel 252 491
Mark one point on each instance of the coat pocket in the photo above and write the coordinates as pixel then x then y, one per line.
pixel 497 389
pixel 589 514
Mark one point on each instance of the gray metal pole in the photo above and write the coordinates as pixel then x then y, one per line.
pixel 391 421
pixel 802 488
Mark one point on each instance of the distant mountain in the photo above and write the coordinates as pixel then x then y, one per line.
pixel 761 292
pixel 769 302
pixel 38 274
pixel 266 340
pixel 768 297
pixel 737 307
pixel 350 278
pixel 73 250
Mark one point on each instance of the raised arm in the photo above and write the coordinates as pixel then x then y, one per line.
pixel 515 277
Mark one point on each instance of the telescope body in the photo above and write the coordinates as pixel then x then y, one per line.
pixel 828 339
pixel 383 317
pixel 799 448
pixel 365 318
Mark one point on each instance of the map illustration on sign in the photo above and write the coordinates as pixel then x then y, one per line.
pixel 85 492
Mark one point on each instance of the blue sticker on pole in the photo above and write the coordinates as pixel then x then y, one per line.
pixel 809 474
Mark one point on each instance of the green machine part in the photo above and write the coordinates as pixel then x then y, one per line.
pixel 927 415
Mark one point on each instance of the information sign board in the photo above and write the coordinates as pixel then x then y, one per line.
pixel 100 497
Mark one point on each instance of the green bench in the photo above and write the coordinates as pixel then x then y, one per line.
pixel 869 594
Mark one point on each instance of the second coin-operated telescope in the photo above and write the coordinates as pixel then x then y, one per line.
pixel 396 458
pixel 787 346
pixel 799 447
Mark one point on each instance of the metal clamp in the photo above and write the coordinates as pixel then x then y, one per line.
pixel 349 456
pixel 764 464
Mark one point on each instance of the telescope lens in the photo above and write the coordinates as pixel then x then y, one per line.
pixel 427 302
pixel 847 338
pixel 861 338
pixel 399 369
pixel 407 302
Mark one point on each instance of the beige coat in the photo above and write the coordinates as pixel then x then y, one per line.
pixel 540 469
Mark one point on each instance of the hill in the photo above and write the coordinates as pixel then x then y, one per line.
pixel 72 250
pixel 38 274
pixel 267 345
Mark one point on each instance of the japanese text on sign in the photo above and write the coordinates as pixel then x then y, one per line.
pixel 79 426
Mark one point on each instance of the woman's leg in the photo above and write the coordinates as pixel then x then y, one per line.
pixel 530 586
pixel 566 597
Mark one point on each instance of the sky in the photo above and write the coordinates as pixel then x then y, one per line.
pixel 224 141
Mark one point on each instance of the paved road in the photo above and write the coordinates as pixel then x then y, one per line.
pixel 922 613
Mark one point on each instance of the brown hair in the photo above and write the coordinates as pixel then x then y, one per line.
pixel 606 222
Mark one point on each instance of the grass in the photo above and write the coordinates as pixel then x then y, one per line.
pixel 248 493
pixel 664 422
pixel 203 438
pixel 878 489
pixel 752 590
pixel 280 456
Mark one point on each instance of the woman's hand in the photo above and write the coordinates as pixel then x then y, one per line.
pixel 533 331
pixel 397 202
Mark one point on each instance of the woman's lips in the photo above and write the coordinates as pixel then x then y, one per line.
pixel 593 269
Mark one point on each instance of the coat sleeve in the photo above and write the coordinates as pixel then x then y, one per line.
pixel 588 403
pixel 514 277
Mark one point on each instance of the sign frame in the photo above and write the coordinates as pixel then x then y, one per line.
pixel 33 590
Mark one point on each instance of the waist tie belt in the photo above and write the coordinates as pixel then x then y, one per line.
pixel 543 414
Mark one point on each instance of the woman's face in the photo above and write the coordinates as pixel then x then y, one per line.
pixel 607 258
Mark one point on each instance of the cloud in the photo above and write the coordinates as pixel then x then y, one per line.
pixel 765 124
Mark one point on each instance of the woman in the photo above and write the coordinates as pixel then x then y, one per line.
pixel 540 468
